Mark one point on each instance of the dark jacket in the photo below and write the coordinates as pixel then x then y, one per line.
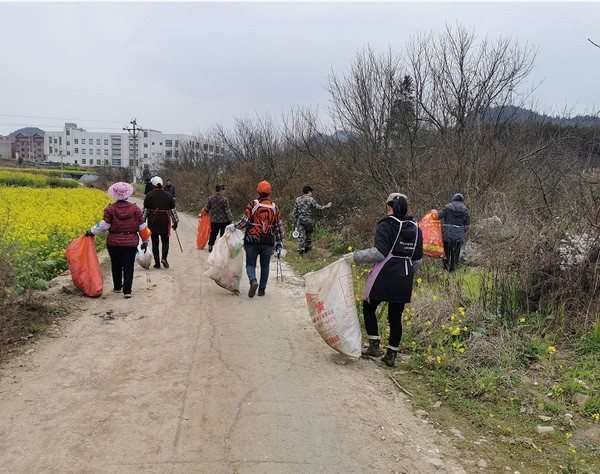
pixel 457 221
pixel 159 207
pixel 125 219
pixel 148 187
pixel 394 282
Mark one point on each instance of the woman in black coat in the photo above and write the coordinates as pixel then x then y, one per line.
pixel 396 255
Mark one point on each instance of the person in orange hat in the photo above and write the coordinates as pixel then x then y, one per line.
pixel 264 232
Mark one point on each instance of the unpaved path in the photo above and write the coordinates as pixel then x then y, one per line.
pixel 187 378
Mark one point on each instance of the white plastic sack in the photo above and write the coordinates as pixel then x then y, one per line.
pixel 144 257
pixel 224 269
pixel 329 295
pixel 235 241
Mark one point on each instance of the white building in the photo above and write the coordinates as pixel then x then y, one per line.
pixel 5 148
pixel 77 146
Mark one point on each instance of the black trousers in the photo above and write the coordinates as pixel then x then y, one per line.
pixel 395 311
pixel 216 228
pixel 122 260
pixel 452 250
pixel 164 239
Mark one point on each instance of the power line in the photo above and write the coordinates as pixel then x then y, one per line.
pixel 30 124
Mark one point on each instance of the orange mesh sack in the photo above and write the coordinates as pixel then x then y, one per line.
pixel 433 242
pixel 84 266
pixel 203 231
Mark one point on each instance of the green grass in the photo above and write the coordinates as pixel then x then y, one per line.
pixel 499 377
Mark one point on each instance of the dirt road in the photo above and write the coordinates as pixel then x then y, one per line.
pixel 187 378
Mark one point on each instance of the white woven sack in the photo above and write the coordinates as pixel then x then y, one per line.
pixel 225 270
pixel 329 296
pixel 144 257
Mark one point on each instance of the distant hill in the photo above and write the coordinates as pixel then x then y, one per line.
pixel 520 115
pixel 27 131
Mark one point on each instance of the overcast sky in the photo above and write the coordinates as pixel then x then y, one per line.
pixel 184 67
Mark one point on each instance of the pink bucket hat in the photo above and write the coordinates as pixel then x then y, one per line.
pixel 120 191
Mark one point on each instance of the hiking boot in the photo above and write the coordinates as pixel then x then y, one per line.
pixel 165 263
pixel 373 350
pixel 261 292
pixel 253 288
pixel 157 265
pixel 389 358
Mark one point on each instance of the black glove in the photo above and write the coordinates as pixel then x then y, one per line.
pixel 144 246
pixel 174 225
pixel 89 233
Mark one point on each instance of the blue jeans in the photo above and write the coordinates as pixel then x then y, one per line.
pixel 252 253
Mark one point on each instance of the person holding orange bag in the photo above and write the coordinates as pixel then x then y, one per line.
pixel 123 221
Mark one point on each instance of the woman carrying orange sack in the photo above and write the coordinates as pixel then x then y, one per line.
pixel 123 220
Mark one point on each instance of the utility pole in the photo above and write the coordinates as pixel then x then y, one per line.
pixel 134 131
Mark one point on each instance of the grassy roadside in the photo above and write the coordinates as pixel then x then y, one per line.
pixel 512 395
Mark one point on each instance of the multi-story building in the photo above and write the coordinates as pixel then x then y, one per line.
pixel 28 147
pixel 75 145
pixel 5 148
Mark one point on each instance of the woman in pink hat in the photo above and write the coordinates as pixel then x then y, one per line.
pixel 123 220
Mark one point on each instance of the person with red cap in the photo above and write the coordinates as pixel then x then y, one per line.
pixel 264 231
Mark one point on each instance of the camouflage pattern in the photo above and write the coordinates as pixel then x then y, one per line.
pixel 302 218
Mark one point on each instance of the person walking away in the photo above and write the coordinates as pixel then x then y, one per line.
pixel 124 222
pixel 219 212
pixel 148 187
pixel 159 210
pixel 302 217
pixel 264 229
pixel 396 254
pixel 170 188
pixel 457 221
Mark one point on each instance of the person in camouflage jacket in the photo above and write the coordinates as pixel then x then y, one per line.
pixel 302 217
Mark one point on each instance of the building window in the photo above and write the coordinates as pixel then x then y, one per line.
pixel 169 153
pixel 145 145
pixel 168 142
pixel 83 151
pixel 76 141
pixel 159 143
pixel 105 162
pixel 98 151
pixel 50 150
pixel 68 131
pixel 83 161
pixel 68 142
pixel 68 152
pixel 176 143
pixel 106 141
pixel 91 151
pixel 145 155
pixel 76 150
pixel 98 141
pixel 116 162
pixel 145 134
pixel 60 140
pixel 83 141
pixel 106 152
pixel 98 162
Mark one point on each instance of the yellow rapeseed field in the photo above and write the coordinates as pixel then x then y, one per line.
pixel 39 223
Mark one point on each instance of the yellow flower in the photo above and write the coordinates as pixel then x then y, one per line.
pixel 350 248
pixel 419 280
pixel 461 310
pixel 568 435
pixel 551 350
pixel 521 320
pixel 435 297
